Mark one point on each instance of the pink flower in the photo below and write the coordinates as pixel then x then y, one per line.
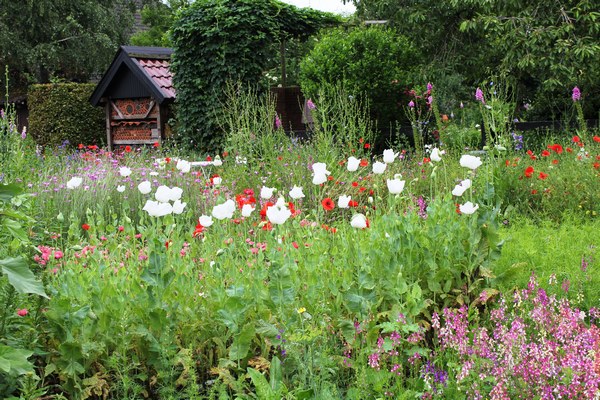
pixel 576 96
pixel 310 105
pixel 479 95
pixel 58 254
pixel 22 312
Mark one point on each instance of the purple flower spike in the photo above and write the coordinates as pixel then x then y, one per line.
pixel 411 104
pixel 479 95
pixel 576 96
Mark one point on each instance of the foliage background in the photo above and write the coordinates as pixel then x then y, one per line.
pixel 62 111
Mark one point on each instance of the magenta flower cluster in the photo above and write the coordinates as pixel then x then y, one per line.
pixel 537 346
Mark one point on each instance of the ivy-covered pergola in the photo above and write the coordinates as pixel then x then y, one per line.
pixel 221 41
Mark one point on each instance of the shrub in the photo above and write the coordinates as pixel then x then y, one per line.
pixel 217 41
pixel 62 112
pixel 372 62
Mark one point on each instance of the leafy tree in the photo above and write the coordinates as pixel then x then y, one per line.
pixel 159 17
pixel 216 41
pixel 542 48
pixel 372 62
pixel 42 40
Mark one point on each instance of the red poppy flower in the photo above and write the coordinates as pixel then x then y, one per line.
pixel 364 162
pixel 367 146
pixel 328 204
pixel 330 178
pixel 569 150
pixel 295 244
pixel 362 189
pixel 597 165
pixel 529 172
pixel 268 226
pixel 85 227
pixel 127 149
pixel 533 191
pixel 263 210
pixel 556 148
pixel 156 145
pixel 596 139
pixel 554 162
pixel 355 184
pixel 545 153
pixel 361 140
pixel 576 139
pixel 507 163
pixel 354 203
pixel 167 159
pixel 531 155
pixel 543 175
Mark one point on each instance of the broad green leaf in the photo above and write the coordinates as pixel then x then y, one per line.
pixel 9 191
pixel 276 375
pixel 241 343
pixel 15 229
pixel 20 276
pixel 14 361
pixel 263 390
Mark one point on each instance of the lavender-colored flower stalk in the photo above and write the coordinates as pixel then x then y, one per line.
pixel 429 86
pixel 479 95
pixel 278 123
pixel 310 104
pixel 24 133
pixel 411 104
pixel 576 96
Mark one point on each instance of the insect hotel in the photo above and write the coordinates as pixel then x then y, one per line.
pixel 136 92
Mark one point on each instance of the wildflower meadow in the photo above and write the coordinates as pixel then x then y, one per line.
pixel 319 268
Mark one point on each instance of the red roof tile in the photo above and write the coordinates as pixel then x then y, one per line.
pixel 158 71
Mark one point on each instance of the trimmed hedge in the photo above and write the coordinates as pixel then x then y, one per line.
pixel 62 111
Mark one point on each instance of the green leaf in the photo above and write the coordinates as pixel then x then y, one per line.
pixel 263 390
pixel 14 361
pixel 15 229
pixel 20 276
pixel 241 343
pixel 9 191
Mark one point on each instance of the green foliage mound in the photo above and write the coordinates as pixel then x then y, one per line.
pixel 60 112
pixel 216 41
pixel 372 62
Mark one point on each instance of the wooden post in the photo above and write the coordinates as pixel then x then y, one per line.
pixel 159 122
pixel 282 57
pixel 108 130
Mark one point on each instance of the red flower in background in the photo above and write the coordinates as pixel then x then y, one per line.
pixel 127 149
pixel 263 210
pixel 596 139
pixel 545 153
pixel 529 172
pixel 85 227
pixel 531 155
pixel 353 203
pixel 23 312
pixel 364 162
pixel 156 145
pixel 597 165
pixel 576 139
pixel 543 175
pixel 328 204
pixel 557 148
pixel 198 231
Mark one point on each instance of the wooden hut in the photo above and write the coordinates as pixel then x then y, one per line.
pixel 136 92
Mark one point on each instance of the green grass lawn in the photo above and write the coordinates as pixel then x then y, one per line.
pixel 547 249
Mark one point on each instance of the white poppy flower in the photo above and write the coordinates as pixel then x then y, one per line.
pixel 183 166
pixel 470 161
pixel 124 171
pixel 205 221
pixel 266 192
pixel 343 201
pixel 224 211
pixel 157 209
pixel 178 207
pixel 319 179
pixel 145 187
pixel 395 186
pixel 279 213
pixel 468 208
pixel 320 168
pixel 436 155
pixel 296 193
pixel 74 182
pixel 217 161
pixel 217 180
pixel 359 221
pixel 379 167
pixel 247 210
pixel 461 187
pixel 120 188
pixel 163 194
pixel 389 156
pixel 353 164
pixel 176 193
pixel 153 173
